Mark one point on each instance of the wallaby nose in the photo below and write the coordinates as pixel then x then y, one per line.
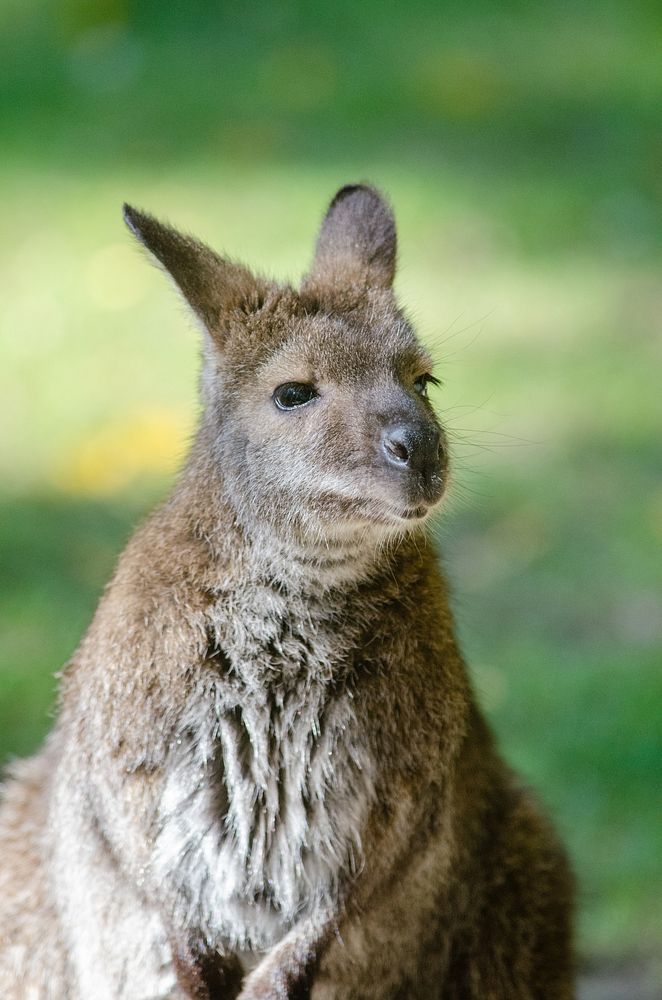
pixel 416 447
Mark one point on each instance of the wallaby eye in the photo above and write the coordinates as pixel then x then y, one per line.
pixel 292 394
pixel 423 381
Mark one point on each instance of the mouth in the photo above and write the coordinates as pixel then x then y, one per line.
pixel 390 514
pixel 412 513
pixel 420 503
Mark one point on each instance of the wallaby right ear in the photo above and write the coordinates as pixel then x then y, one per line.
pixel 357 242
pixel 213 286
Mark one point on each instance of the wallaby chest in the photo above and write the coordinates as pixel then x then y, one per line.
pixel 271 782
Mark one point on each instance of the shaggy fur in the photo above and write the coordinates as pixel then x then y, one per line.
pixel 269 777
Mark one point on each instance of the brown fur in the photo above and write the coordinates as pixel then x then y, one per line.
pixel 269 777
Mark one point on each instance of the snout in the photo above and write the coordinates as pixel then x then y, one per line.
pixel 415 451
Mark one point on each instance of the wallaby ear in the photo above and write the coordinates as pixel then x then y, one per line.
pixel 357 241
pixel 213 286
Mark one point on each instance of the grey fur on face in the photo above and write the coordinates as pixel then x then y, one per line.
pixel 269 777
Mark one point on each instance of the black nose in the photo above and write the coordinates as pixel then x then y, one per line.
pixel 416 447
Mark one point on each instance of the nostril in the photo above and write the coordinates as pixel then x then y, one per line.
pixel 395 448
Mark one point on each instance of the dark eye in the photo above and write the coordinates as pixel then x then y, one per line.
pixel 292 394
pixel 423 381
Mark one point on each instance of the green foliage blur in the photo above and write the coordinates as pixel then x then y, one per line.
pixel 521 145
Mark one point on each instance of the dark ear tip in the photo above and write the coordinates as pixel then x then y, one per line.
pixel 133 219
pixel 363 190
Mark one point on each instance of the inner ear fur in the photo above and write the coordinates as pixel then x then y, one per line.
pixel 357 242
pixel 212 285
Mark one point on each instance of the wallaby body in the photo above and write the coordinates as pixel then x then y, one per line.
pixel 269 777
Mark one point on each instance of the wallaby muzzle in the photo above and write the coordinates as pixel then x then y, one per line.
pixel 414 451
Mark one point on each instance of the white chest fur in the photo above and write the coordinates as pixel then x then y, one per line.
pixel 269 787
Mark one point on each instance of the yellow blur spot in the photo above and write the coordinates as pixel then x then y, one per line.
pixel 150 443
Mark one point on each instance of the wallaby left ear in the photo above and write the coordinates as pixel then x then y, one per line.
pixel 213 286
pixel 357 241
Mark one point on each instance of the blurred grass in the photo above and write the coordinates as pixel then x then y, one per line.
pixel 522 149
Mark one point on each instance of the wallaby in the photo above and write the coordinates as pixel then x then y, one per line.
pixel 269 777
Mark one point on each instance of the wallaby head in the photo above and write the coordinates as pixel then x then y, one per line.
pixel 316 408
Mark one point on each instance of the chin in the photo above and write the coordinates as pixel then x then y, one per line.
pixel 410 510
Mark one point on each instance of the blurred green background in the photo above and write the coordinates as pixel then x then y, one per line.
pixel 521 145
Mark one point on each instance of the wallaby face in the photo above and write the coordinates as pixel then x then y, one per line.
pixel 269 778
pixel 331 435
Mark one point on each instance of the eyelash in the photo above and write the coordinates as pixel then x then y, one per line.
pixel 423 381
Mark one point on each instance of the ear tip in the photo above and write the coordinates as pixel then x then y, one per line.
pixel 132 218
pixel 360 190
pixel 348 189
